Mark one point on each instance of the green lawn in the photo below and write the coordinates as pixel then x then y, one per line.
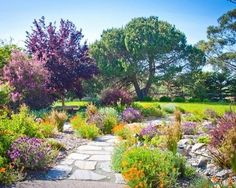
pixel 195 107
pixel 188 107
pixel 72 103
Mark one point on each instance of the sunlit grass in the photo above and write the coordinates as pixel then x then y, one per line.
pixel 198 108
pixel 72 103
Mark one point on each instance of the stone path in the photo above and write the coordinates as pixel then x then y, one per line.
pixel 90 162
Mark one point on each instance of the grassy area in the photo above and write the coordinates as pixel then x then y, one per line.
pixel 198 108
pixel 72 103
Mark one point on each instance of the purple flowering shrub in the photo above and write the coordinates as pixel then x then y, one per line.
pixel 189 128
pixel 115 96
pixel 149 132
pixel 31 153
pixel 131 115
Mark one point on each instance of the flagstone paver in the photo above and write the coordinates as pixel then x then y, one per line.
pixel 90 162
pixel 59 172
pixel 100 158
pixel 86 175
pixel 77 156
pixel 86 165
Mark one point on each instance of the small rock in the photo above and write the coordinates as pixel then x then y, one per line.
pixel 119 179
pixel 223 173
pixel 183 142
pixel 194 164
pixel 202 162
pixel 197 146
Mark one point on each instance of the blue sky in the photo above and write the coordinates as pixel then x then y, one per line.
pixel 93 16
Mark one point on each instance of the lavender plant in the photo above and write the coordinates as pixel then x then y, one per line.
pixel 31 153
pixel 131 115
pixel 149 132
pixel 189 128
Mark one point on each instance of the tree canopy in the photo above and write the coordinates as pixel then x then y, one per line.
pixel 67 58
pixel 221 44
pixel 144 51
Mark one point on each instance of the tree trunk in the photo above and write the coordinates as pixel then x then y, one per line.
pixel 63 103
pixel 143 92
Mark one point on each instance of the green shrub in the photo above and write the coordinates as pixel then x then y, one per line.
pixel 203 139
pixel 23 123
pixel 77 120
pixel 19 124
pixel 165 99
pixel 189 171
pixel 206 100
pixel 147 99
pixel 179 99
pixel 180 109
pixel 185 171
pixel 152 111
pixel 109 123
pixel 117 156
pixel 137 106
pixel 193 117
pixel 194 100
pixel 169 108
pixel 108 111
pixel 202 183
pixel 145 167
pixel 109 118
pixel 83 129
pixel 87 131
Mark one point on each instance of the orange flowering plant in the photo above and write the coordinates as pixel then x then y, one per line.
pixel 122 131
pixel 9 174
pixel 149 167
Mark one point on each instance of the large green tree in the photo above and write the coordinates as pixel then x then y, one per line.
pixel 221 45
pixel 142 52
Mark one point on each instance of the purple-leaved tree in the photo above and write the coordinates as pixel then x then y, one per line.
pixel 67 58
